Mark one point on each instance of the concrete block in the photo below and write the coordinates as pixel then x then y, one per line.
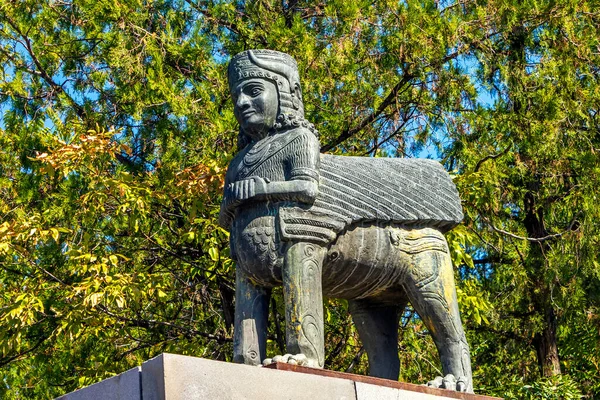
pixel 368 387
pixel 174 377
pixel 125 386
pixel 366 391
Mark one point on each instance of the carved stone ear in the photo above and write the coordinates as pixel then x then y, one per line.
pixel 296 96
pixel 298 91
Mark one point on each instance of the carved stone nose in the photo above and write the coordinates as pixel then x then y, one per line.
pixel 242 101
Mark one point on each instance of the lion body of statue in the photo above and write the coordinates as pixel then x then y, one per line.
pixel 369 230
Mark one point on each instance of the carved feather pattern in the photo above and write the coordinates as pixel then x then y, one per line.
pixel 405 191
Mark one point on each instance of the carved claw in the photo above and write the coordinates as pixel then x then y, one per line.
pixel 461 384
pixel 245 189
pixel 450 382
pixel 297 359
pixel 259 185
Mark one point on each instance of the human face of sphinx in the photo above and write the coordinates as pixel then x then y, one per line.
pixel 255 104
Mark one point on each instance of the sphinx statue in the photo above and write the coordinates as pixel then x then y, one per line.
pixel 369 230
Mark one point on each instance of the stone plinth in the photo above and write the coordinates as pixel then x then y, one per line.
pixel 125 386
pixel 369 388
pixel 174 377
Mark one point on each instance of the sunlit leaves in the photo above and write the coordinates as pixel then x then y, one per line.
pixel 100 245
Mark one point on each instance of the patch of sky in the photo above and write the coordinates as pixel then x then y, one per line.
pixel 188 86
pixel 442 4
pixel 3 108
pixel 470 65
pixel 512 209
pixel 429 148
pixel 48 123
pixel 409 315
pixel 483 266
pixel 538 33
pixel 219 53
pixel 532 62
pixel 410 134
pixel 329 25
pixel 65 249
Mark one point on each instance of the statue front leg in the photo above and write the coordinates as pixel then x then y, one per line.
pixel 250 327
pixel 304 305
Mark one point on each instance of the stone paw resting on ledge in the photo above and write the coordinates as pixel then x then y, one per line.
pixel 369 230
pixel 292 359
pixel 450 382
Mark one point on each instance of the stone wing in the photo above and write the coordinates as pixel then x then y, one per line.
pixel 416 192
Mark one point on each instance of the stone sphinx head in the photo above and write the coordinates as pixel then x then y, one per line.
pixel 265 87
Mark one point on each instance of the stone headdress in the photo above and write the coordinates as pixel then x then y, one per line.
pixel 275 66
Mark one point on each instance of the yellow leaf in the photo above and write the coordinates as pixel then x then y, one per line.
pixel 213 252
pixel 55 234
pixel 94 298
pixel 120 302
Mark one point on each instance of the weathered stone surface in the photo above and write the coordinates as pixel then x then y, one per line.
pixel 396 190
pixel 125 386
pixel 389 388
pixel 365 391
pixel 173 377
pixel 365 229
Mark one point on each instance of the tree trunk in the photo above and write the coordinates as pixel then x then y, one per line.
pixel 546 346
pixel 544 341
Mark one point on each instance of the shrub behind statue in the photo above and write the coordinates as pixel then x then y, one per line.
pixel 364 229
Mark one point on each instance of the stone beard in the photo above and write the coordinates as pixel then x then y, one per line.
pixel 369 230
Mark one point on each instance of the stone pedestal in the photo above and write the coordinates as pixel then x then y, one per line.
pixel 174 377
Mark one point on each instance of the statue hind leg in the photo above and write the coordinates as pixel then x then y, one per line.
pixel 431 290
pixel 251 314
pixel 377 326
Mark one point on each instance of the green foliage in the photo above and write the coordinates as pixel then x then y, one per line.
pixel 116 128
pixel 99 269
pixel 555 387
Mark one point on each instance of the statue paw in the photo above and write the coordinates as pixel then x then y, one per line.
pixel 297 359
pixel 450 382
